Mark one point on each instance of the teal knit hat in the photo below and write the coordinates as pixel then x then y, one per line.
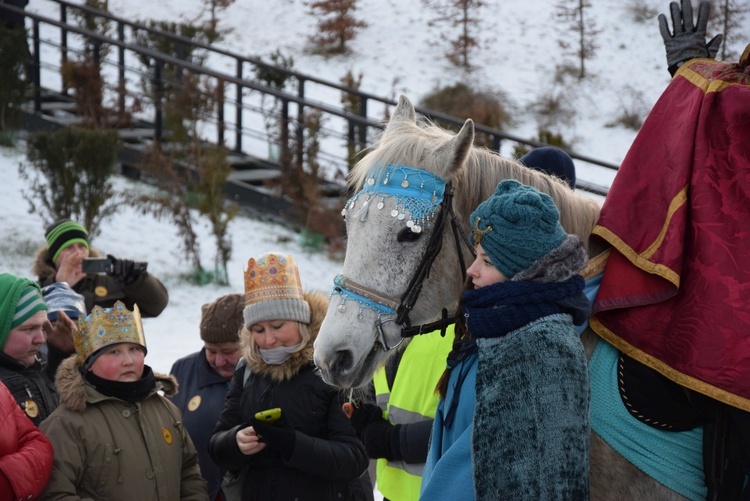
pixel 20 298
pixel 516 226
pixel 63 233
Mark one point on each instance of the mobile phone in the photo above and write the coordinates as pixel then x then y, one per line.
pixel 268 415
pixel 96 265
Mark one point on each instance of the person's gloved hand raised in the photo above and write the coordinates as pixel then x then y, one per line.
pixel 278 436
pixel 126 271
pixel 379 436
pixel 688 41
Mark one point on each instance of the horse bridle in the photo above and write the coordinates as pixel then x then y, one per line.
pixel 401 308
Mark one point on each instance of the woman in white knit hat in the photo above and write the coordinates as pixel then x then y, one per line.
pixel 311 452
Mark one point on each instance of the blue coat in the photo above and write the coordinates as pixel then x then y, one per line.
pixel 201 396
pixel 521 429
pixel 448 473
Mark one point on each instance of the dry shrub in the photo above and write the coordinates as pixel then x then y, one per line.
pixel 484 107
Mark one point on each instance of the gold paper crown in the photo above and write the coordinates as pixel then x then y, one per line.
pixel 106 326
pixel 272 276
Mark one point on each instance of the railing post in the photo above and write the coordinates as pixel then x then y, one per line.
pixel 285 159
pixel 220 111
pixel 37 70
pixel 363 127
pixel 64 43
pixel 238 117
pixel 121 69
pixel 300 129
pixel 496 142
pixel 158 97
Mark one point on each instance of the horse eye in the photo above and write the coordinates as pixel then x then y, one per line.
pixel 406 235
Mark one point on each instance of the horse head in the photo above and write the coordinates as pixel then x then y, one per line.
pixel 402 267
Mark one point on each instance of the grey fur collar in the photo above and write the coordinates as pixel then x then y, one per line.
pixel 559 264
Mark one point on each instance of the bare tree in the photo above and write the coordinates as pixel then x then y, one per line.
pixel 214 6
pixel 336 23
pixel 462 20
pixel 729 17
pixel 575 15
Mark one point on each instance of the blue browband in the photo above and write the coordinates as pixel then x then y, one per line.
pixel 416 191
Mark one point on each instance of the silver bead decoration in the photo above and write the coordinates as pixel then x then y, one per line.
pixel 394 213
pixel 405 183
pixel 416 228
pixel 380 205
pixel 409 223
pixel 401 216
pixel 371 181
pixel 343 212
pixel 341 307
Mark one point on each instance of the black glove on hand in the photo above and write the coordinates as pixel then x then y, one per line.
pixel 380 438
pixel 278 436
pixel 363 415
pixel 688 41
pixel 126 271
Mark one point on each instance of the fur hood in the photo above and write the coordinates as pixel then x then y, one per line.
pixel 43 266
pixel 318 307
pixel 71 386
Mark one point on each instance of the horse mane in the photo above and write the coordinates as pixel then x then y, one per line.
pixel 415 144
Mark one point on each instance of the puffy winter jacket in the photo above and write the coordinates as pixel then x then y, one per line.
pixel 25 453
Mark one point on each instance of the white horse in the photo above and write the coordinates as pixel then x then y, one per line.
pixel 402 269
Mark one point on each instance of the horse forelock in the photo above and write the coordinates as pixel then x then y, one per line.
pixel 409 144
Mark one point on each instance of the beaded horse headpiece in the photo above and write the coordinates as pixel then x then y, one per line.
pixel 417 195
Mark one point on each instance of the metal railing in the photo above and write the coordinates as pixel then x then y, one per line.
pixel 239 119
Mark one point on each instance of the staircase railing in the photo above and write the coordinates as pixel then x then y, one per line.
pixel 238 121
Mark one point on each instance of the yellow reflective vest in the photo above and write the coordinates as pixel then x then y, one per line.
pixel 412 399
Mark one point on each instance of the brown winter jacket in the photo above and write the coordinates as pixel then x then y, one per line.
pixel 101 290
pixel 106 448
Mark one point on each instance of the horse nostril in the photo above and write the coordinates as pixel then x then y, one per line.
pixel 343 361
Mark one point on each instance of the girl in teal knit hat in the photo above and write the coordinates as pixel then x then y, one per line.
pixel 513 418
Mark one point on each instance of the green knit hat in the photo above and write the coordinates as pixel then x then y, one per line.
pixel 20 298
pixel 63 233
pixel 516 226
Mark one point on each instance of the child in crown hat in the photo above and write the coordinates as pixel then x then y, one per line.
pixel 114 435
pixel 312 451
pixel 513 418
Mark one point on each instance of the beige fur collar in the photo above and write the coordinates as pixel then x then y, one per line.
pixel 72 388
pixel 318 306
pixel 43 268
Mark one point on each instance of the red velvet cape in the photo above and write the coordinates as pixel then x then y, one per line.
pixel 675 293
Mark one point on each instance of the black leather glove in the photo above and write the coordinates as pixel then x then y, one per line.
pixel 126 271
pixel 380 438
pixel 278 436
pixel 688 41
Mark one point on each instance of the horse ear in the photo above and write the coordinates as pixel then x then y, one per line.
pixel 404 112
pixel 457 148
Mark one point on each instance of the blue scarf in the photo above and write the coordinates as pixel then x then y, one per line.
pixel 497 309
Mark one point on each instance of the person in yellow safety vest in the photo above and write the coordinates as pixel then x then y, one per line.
pixel 397 430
